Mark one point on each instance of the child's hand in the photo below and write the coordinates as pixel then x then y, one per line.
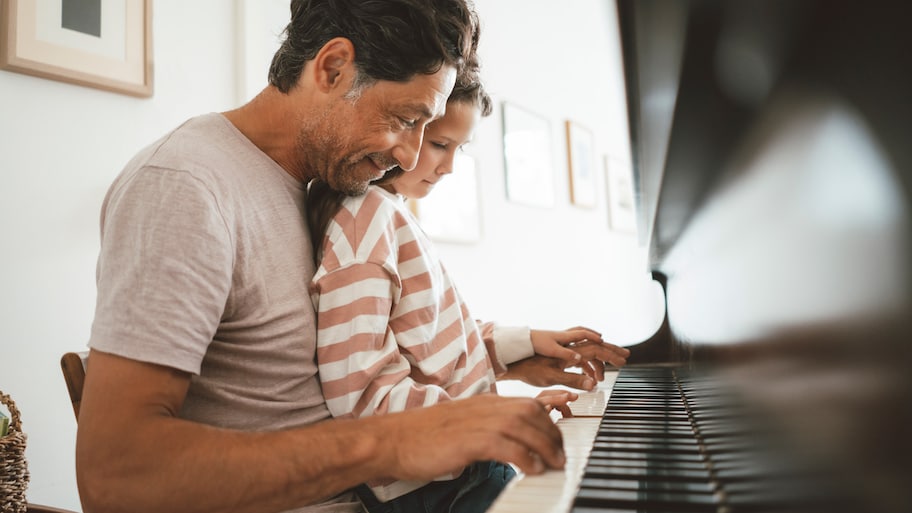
pixel 581 347
pixel 557 400
pixel 553 343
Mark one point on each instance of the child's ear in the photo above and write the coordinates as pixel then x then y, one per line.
pixel 334 64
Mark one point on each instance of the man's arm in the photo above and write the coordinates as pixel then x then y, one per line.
pixel 134 454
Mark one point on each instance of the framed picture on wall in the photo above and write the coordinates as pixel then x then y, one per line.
pixel 94 43
pixel 452 211
pixel 622 215
pixel 581 165
pixel 528 168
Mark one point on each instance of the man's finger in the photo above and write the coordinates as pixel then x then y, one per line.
pixel 571 379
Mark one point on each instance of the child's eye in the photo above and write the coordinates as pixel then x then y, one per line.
pixel 440 146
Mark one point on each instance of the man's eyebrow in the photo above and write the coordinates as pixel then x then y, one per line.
pixel 422 110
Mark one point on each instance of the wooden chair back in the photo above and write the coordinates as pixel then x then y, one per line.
pixel 39 508
pixel 73 365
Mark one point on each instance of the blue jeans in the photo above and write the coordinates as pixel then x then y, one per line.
pixel 472 492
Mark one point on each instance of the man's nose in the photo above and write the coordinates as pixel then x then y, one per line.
pixel 406 150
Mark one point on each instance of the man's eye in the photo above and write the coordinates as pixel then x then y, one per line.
pixel 408 123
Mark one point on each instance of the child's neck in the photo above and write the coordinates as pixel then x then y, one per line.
pixel 389 188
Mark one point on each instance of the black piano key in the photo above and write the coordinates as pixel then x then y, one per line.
pixel 728 444
pixel 644 430
pixel 639 455
pixel 634 421
pixel 652 462
pixel 646 396
pixel 649 407
pixel 642 500
pixel 647 419
pixel 629 407
pixel 671 445
pixel 646 446
pixel 669 414
pixel 645 393
pixel 646 390
pixel 584 509
pixel 654 486
pixel 655 441
pixel 648 473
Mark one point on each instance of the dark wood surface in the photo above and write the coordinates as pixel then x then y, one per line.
pixel 38 508
pixel 772 143
pixel 73 365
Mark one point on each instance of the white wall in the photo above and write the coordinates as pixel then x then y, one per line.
pixel 561 266
pixel 61 145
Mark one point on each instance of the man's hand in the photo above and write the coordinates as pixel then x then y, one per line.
pixel 542 371
pixel 427 442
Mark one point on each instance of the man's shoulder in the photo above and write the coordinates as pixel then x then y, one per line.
pixel 198 141
pixel 207 148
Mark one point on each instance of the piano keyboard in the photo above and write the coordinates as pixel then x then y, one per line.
pixel 665 441
pixel 553 491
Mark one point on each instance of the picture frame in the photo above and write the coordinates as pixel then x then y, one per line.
pixel 452 210
pixel 581 165
pixel 103 44
pixel 622 210
pixel 528 164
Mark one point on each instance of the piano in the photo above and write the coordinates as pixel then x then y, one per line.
pixel 772 151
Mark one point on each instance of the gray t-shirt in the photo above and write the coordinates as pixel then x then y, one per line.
pixel 204 267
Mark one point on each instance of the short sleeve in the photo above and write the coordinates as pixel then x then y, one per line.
pixel 164 271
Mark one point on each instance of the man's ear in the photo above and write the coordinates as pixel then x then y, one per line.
pixel 334 64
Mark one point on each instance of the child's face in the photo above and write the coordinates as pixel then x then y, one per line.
pixel 442 140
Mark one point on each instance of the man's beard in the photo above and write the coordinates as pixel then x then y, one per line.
pixel 315 139
pixel 345 177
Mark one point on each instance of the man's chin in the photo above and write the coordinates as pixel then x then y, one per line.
pixel 352 189
pixel 347 181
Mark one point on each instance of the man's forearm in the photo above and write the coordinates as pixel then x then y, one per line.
pixel 134 454
pixel 175 465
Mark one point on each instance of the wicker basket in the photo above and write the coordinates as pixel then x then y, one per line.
pixel 14 474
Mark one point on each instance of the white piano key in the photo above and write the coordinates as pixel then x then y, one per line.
pixel 555 490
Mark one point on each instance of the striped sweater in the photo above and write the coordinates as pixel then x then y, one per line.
pixel 392 330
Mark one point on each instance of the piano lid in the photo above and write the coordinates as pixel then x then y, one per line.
pixel 774 132
pixel 703 77
pixel 772 153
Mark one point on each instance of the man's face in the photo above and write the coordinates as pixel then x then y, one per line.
pixel 442 140
pixel 356 141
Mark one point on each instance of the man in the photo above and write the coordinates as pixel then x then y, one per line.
pixel 201 394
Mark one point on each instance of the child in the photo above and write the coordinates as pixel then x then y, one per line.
pixel 393 332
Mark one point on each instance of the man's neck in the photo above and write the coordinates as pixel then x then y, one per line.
pixel 267 120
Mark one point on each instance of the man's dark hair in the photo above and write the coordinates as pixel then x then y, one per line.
pixel 393 39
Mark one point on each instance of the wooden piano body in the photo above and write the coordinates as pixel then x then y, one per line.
pixel 772 148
